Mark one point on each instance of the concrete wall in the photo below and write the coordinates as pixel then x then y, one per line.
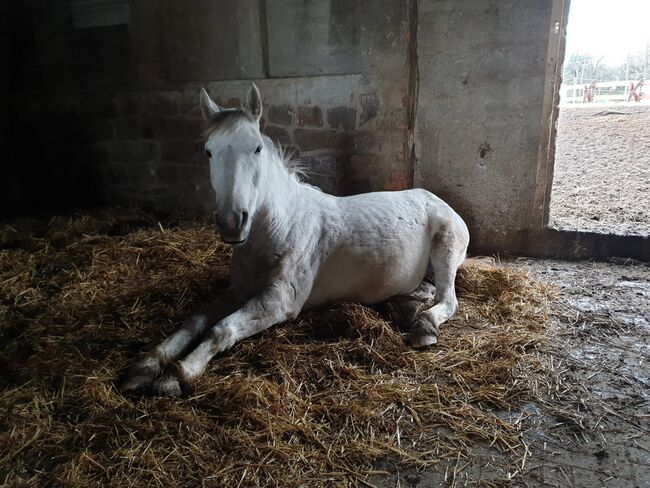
pixel 110 114
pixel 480 108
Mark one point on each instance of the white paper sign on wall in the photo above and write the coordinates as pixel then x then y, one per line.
pixel 99 13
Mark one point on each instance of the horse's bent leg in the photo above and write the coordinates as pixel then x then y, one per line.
pixel 152 366
pixel 404 309
pixel 274 305
pixel 447 253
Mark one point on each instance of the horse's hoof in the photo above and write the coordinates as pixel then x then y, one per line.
pixel 141 375
pixel 423 341
pixel 168 385
pixel 423 333
pixel 134 383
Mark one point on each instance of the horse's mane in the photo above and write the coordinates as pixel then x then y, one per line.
pixel 229 119
pixel 294 167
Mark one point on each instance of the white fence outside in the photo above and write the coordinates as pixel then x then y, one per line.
pixel 607 93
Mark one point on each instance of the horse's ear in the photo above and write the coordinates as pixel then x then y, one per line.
pixel 254 101
pixel 208 107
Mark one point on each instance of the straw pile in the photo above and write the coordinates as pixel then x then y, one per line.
pixel 324 400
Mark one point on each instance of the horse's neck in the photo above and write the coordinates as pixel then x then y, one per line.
pixel 278 202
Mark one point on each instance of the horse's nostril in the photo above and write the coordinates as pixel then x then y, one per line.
pixel 244 219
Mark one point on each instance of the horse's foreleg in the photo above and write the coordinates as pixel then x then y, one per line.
pixel 270 307
pixel 448 251
pixel 151 367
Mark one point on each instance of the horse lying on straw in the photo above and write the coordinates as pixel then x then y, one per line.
pixel 295 247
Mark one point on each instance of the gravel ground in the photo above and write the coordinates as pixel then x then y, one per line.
pixel 602 170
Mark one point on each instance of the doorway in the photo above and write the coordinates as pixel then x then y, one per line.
pixel 601 177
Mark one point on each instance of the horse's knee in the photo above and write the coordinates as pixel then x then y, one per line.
pixel 222 337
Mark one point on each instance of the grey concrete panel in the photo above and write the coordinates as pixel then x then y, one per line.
pixel 213 40
pixel 478 122
pixel 313 37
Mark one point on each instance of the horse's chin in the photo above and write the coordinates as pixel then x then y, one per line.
pixel 234 240
pixel 234 243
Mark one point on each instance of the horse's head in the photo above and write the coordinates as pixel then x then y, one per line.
pixel 235 147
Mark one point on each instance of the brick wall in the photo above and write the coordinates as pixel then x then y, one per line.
pixel 92 125
pixel 144 147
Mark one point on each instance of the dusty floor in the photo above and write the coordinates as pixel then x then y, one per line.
pixel 599 433
pixel 602 170
pixel 319 401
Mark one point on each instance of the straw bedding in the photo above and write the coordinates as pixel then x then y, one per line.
pixel 325 400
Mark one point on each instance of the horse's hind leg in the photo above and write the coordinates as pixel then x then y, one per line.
pixel 404 309
pixel 447 253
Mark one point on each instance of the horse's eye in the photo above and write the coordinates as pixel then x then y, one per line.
pixel 208 153
pixel 258 150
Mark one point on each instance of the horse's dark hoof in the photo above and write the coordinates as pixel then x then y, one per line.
pixel 423 333
pixel 141 375
pixel 423 341
pixel 168 385
pixel 173 383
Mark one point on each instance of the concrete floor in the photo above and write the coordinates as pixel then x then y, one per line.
pixel 594 429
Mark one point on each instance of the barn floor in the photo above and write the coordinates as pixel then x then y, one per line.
pixel 520 390
pixel 602 349
pixel 602 170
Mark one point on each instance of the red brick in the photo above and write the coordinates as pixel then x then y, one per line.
pixel 365 141
pixel 399 180
pixel 128 128
pixel 312 139
pixel 127 152
pixel 278 134
pixel 180 151
pixel 176 127
pixel 128 104
pixel 194 126
pixel 155 127
pixel 280 114
pixel 342 117
pixel 363 165
pixel 99 131
pixel 310 116
pixel 116 174
pixel 168 173
pixel 162 103
pixel 369 107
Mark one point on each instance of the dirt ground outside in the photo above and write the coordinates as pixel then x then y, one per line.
pixel 602 170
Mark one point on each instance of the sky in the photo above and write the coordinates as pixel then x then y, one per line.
pixel 609 28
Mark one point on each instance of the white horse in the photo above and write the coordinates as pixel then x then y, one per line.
pixel 295 247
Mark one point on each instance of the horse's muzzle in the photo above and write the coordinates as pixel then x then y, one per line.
pixel 233 226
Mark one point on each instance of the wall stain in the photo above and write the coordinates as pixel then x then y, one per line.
pixel 484 149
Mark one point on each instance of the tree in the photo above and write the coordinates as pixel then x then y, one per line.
pixel 637 65
pixel 582 68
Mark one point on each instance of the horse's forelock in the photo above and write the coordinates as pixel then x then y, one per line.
pixel 226 120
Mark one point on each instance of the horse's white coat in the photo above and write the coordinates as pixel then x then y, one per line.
pixel 298 247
